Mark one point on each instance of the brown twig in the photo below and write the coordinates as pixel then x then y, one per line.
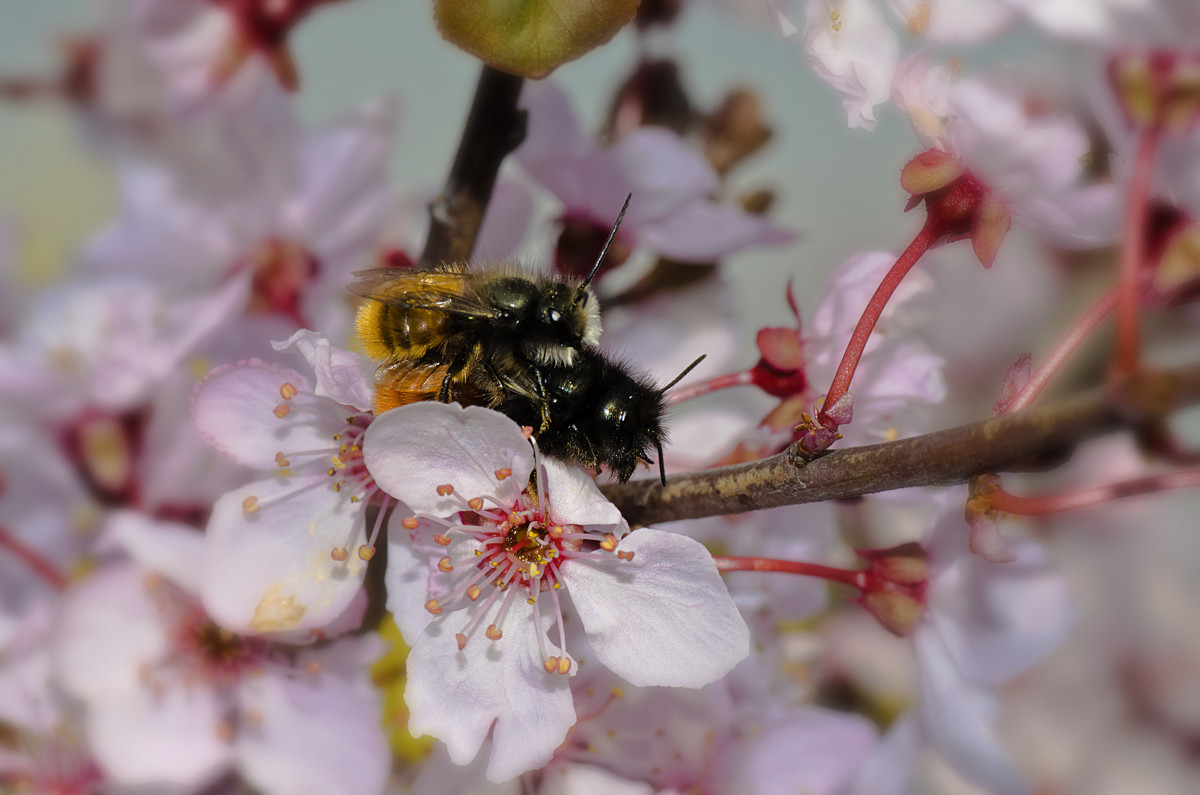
pixel 1020 440
pixel 495 127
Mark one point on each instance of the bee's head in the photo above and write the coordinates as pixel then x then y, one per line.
pixel 629 425
pixel 568 316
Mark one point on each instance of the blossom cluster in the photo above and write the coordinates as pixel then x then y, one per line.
pixel 223 568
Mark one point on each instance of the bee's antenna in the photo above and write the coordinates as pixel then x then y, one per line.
pixel 662 467
pixel 686 370
pixel 608 242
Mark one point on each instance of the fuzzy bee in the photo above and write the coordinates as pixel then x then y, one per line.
pixel 473 335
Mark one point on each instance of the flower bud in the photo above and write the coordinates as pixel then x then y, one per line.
pixel 894 586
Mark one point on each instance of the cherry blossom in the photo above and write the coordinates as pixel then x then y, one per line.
pixel 849 44
pixel 671 213
pixel 49 753
pixel 289 552
pixel 984 624
pixel 314 214
pixel 1032 165
pixel 173 699
pixel 485 557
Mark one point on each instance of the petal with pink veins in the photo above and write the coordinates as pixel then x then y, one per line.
pixel 236 408
pixel 446 445
pixel 274 568
pixel 663 618
pixel 457 696
pixel 342 376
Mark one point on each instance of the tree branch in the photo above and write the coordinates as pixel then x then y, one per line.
pixel 495 127
pixel 1033 437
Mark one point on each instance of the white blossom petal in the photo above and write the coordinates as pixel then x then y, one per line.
pixel 315 734
pixel 272 569
pixel 342 376
pixel 663 618
pixel 850 46
pixel 414 449
pixel 457 696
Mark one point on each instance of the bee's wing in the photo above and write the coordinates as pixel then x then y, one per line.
pixel 399 382
pixel 452 291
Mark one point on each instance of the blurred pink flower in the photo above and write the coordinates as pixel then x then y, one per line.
pixel 480 554
pixel 1032 165
pixel 671 211
pixel 45 752
pixel 985 623
pixel 314 214
pixel 174 699
pixel 289 552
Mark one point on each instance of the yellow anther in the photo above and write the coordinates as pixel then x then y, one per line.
pixel 337 462
pixel 411 523
pixel 493 632
pixel 282 410
pixel 461 639
pixel 609 543
pixel 433 607
pixel 444 565
pixel 250 504
pixel 288 391
pixel 473 592
pixel 445 490
pixel 339 553
pixel 444 541
pixel 475 503
pixel 365 552
pixel 281 460
pixel 564 665
pixel 501 474
pixel 314 667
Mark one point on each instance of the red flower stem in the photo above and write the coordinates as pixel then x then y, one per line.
pixel 32 558
pixel 1066 346
pixel 870 316
pixel 1037 506
pixel 1133 251
pixel 855 579
pixel 742 378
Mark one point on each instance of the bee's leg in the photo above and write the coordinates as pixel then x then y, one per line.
pixel 543 401
pixel 457 366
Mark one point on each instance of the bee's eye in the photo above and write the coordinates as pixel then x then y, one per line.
pixel 555 316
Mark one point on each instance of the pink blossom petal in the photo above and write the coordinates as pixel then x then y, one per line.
pixel 342 376
pixel 167 548
pixel 957 717
pixel 235 406
pixel 889 768
pixel 664 618
pixel 273 569
pixel 552 134
pixel 663 172
pixel 810 750
pixel 315 734
pixel 159 737
pixel 574 499
pixel 345 195
pixel 505 222
pixel 704 232
pixel 998 620
pixel 572 778
pixel 408 580
pixel 414 449
pixel 457 696
pixel 108 630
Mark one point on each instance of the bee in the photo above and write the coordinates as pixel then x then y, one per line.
pixel 480 336
pixel 603 413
